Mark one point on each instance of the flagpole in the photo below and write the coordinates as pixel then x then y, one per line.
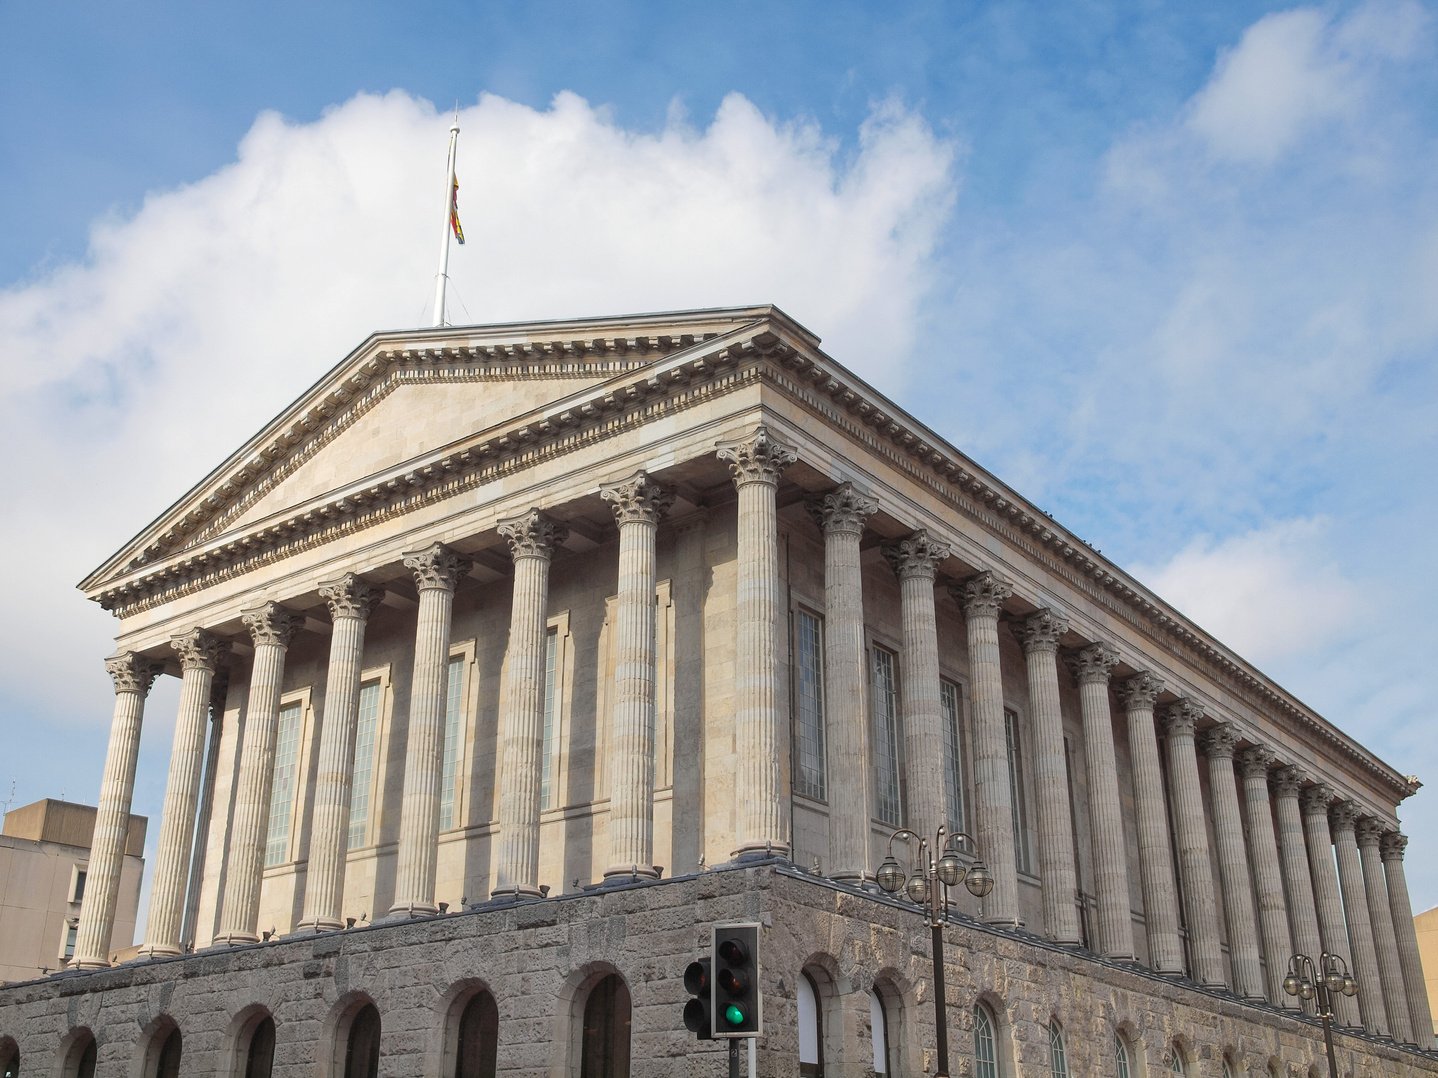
pixel 442 277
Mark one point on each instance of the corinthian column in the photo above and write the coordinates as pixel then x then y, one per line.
pixel 1040 637
pixel 841 513
pixel 1297 876
pixel 351 601
pixel 532 538
pixel 1155 856
pixel 1267 878
pixel 1189 823
pixel 1414 984
pixel 1385 941
pixel 1315 800
pixel 1343 817
pixel 200 654
pixel 981 597
pixel 272 627
pixel 1218 743
pixel 639 504
pixel 915 561
pixel 437 572
pixel 1091 667
pixel 760 740
pixel 133 675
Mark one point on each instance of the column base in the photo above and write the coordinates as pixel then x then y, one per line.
pixel 408 911
pixel 89 963
pixel 1004 922
pixel 315 927
pixel 517 894
pixel 234 939
pixel 754 850
pixel 159 950
pixel 650 872
pixel 852 878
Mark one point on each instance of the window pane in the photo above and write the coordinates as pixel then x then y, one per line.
pixel 549 757
pixel 879 1032
pixel 449 762
pixel 1058 1058
pixel 71 932
pixel 366 731
pixel 809 707
pixel 886 739
pixel 1177 1066
pixel 986 1058
pixel 953 756
pixel 1120 1055
pixel 282 793
pixel 1016 793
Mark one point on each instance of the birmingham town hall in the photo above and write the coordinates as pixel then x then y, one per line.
pixel 514 658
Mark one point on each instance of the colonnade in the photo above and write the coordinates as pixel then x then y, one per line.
pixel 1308 872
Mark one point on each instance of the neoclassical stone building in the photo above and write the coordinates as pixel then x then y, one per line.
pixel 513 657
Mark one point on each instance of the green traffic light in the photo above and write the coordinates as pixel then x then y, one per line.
pixel 734 1014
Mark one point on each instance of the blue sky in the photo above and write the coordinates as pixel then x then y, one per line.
pixel 1169 270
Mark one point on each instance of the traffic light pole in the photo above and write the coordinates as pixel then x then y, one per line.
pixel 941 1022
pixel 733 1058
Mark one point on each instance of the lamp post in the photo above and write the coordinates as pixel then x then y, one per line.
pixel 1320 982
pixel 937 865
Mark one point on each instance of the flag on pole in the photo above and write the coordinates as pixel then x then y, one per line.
pixel 454 212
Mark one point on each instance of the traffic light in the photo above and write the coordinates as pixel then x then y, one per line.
pixel 737 1002
pixel 699 984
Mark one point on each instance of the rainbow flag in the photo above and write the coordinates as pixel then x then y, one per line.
pixel 454 212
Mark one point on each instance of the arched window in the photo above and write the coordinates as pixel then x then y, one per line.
pixel 362 1044
pixel 1175 1054
pixel 1058 1058
pixel 986 1049
pixel 9 1058
pixel 605 1049
pixel 167 1059
pixel 811 1030
pixel 258 1047
pixel 1120 1056
pixel 476 1049
pixel 1227 1068
pixel 78 1060
pixel 879 1030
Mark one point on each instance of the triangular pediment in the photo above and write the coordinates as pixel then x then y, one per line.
pixel 401 397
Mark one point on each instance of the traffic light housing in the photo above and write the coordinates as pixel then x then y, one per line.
pixel 699 983
pixel 737 1003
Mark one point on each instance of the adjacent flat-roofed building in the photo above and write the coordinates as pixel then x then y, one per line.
pixel 514 657
pixel 44 870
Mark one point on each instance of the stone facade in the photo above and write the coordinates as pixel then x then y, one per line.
pixel 494 617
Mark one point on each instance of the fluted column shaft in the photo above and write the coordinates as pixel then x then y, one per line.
pixel 1040 637
pixel 1155 855
pixel 219 690
pixel 915 561
pixel 1267 876
pixel 981 598
pixel 1314 801
pixel 199 656
pixel 639 504
pixel 1092 666
pixel 1364 954
pixel 437 572
pixel 1385 942
pixel 532 538
pixel 1297 876
pixel 1190 826
pixel 1420 1016
pixel 760 740
pixel 271 628
pixel 351 601
pixel 841 514
pixel 1218 745
pixel 133 675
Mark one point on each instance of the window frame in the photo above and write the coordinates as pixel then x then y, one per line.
pixel 1058 1050
pixel 462 652
pixel 895 732
pixel 985 1033
pixel 1020 808
pixel 299 791
pixel 796 709
pixel 384 712
pixel 956 756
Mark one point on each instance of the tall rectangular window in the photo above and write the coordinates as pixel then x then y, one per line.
pixel 282 793
pixel 885 701
pixel 953 755
pixel 809 773
pixel 549 757
pixel 1023 853
pixel 362 778
pixel 72 931
pixel 453 732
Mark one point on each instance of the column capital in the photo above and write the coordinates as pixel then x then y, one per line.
pixel 637 500
pixel 1180 718
pixel 132 673
pixel 1315 799
pixel 1288 781
pixel 270 623
pixel 350 596
pixel 1091 665
pixel 1255 760
pixel 1219 741
pixel 437 567
pixel 1370 831
pixel 199 649
pixel 1141 690
pixel 760 458
pixel 1392 845
pixel 982 594
pixel 843 510
pixel 916 556
pixel 1041 630
pixel 1344 815
pixel 532 535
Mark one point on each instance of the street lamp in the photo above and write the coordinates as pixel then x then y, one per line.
pixel 937 865
pixel 1320 983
